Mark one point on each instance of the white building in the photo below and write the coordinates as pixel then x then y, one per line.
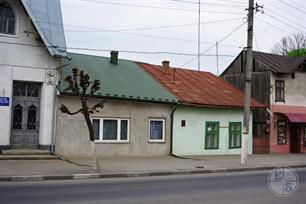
pixel 32 44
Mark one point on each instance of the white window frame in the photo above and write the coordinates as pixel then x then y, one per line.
pixel 163 136
pixel 101 120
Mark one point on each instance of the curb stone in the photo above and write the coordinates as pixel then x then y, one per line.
pixel 134 174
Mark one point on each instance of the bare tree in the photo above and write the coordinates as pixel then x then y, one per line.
pixel 290 43
pixel 80 85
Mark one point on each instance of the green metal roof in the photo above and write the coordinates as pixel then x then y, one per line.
pixel 123 81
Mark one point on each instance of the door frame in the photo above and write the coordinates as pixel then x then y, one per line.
pixel 27 99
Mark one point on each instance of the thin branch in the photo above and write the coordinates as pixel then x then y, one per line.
pixel 64 109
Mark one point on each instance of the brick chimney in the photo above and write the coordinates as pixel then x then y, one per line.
pixel 166 66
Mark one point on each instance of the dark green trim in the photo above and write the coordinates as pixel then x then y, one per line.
pixel 215 132
pixel 230 132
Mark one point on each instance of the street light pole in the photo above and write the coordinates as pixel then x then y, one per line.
pixel 248 83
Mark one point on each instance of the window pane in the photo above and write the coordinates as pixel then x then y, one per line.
pixel 156 130
pixel 9 13
pixel 11 27
pixel 215 141
pixel 235 135
pixel 7 19
pixel 31 123
pixel 19 89
pixel 110 129
pixel 238 140
pixel 17 118
pixel 124 130
pixel 208 141
pixel 212 135
pixel 32 90
pixel 96 128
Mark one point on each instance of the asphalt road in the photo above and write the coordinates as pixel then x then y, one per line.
pixel 246 187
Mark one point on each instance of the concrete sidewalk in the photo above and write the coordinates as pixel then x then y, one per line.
pixel 124 167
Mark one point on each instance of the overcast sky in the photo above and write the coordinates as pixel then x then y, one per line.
pixel 171 26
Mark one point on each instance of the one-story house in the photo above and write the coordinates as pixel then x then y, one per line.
pixel 208 118
pixel 135 120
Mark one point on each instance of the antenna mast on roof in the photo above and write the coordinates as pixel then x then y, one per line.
pixel 217 55
pixel 199 37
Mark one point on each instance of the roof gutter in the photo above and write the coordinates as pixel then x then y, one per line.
pixel 216 106
pixel 134 99
pixel 54 113
pixel 171 131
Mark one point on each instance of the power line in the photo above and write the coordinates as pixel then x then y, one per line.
pixel 256 43
pixel 285 18
pixel 296 8
pixel 262 37
pixel 281 21
pixel 236 2
pixel 287 13
pixel 229 34
pixel 159 7
pixel 152 28
pixel 108 50
pixel 212 4
pixel 162 37
pixel 270 24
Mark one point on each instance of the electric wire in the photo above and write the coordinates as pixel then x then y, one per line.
pixel 290 5
pixel 159 7
pixel 225 37
pixel 108 50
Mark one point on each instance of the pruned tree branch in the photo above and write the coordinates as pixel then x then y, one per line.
pixel 64 109
pixel 79 83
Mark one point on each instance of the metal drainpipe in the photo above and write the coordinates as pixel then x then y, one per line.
pixel 171 133
pixel 54 116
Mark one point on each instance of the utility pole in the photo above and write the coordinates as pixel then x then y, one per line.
pixel 199 37
pixel 248 83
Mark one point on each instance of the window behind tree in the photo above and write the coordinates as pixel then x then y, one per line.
pixel 7 19
pixel 279 91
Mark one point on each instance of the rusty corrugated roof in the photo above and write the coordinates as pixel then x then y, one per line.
pixel 198 88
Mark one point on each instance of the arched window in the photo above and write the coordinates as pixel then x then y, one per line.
pixel 7 18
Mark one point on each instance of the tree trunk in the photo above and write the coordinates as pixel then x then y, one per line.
pixel 94 155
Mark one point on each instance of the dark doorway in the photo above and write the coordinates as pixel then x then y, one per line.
pixel 295 132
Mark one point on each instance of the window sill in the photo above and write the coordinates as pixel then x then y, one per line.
pixel 157 141
pixel 9 35
pixel 112 142
pixel 235 147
